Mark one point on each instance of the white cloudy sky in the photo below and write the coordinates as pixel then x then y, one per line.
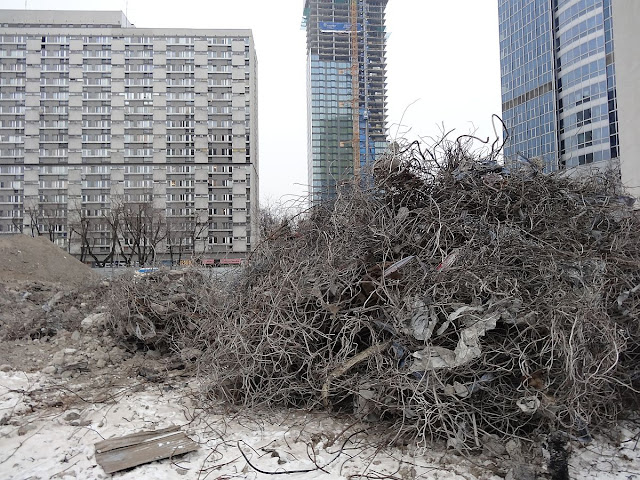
pixel 442 61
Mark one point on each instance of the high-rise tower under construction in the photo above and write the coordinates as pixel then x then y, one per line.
pixel 346 82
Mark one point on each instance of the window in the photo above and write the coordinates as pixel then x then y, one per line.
pixel 137 169
pixel 95 169
pixel 138 183
pixel 138 40
pixel 585 159
pixel 94 39
pixel 583 118
pixel 180 40
pixel 585 139
pixel 53 169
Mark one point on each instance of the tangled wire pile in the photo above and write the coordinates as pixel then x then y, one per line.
pixel 453 300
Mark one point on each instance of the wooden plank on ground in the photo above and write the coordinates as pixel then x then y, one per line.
pixel 120 453
pixel 132 439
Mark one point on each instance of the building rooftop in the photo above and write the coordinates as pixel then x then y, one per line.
pixel 57 19
pixel 70 18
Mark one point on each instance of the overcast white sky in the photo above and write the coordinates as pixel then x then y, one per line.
pixel 442 62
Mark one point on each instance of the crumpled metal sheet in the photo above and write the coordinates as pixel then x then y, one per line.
pixel 467 349
pixel 463 390
pixel 529 404
pixel 424 319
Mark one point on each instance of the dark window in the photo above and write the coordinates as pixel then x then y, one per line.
pixel 585 139
pixel 583 118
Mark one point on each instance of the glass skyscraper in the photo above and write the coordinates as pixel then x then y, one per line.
pixel 558 81
pixel 346 83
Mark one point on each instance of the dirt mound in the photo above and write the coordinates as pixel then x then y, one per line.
pixel 37 259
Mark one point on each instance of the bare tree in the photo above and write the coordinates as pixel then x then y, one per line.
pixel 156 229
pixel 18 225
pixel 183 234
pixel 270 221
pixel 143 227
pixel 32 209
pixel 46 218
pixel 196 224
pixel 175 239
pixel 113 221
pixel 82 225
pixel 53 217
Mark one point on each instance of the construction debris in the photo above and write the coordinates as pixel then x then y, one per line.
pixel 121 453
pixel 455 299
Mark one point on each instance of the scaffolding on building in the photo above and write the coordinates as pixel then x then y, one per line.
pixel 346 47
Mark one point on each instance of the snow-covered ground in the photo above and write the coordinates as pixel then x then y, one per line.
pixel 46 434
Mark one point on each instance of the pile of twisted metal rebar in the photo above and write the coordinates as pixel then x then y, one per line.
pixel 453 299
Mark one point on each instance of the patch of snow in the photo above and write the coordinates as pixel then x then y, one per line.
pixel 43 443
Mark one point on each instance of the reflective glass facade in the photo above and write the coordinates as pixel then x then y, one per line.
pixel 558 81
pixel 346 90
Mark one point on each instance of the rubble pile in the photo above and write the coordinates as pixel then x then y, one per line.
pixel 40 310
pixel 43 289
pixel 455 299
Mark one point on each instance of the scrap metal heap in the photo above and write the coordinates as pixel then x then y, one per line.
pixel 456 300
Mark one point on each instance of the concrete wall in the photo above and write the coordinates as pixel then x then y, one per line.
pixel 626 41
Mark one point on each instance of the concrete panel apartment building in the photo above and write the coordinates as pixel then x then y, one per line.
pixel 99 119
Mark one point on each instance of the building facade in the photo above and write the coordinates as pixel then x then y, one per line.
pixel 346 85
pixel 558 70
pixel 626 36
pixel 113 137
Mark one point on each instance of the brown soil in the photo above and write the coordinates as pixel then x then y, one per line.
pixel 37 259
